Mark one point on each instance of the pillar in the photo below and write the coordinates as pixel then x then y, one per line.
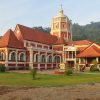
pixel 16 59
pixel 6 60
pixel 97 59
pixel 31 58
pixel 63 57
pixel 52 61
pixel 39 60
pixel 46 60
pixel 68 54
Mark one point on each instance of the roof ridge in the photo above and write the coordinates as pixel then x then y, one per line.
pixel 88 46
pixel 36 35
pixel 92 48
pixel 9 36
pixel 35 29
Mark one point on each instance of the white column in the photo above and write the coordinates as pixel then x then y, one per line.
pixel 6 59
pixel 97 59
pixel 75 54
pixel 79 60
pixel 52 59
pixel 31 58
pixel 85 60
pixel 46 61
pixel 39 60
pixel 68 54
pixel 16 59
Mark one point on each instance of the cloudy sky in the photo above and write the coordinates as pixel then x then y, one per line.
pixel 39 12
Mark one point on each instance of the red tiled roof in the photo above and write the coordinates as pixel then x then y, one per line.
pixel 91 51
pixel 60 41
pixel 81 48
pixel 34 35
pixel 10 40
pixel 81 42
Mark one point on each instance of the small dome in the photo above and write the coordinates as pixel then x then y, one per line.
pixel 61 14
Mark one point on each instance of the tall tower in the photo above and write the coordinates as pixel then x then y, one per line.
pixel 61 26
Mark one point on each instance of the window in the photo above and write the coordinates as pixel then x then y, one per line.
pixel 50 47
pixel 73 54
pixel 43 59
pixel 70 54
pixel 57 59
pixel 50 59
pixel 37 57
pixel 13 58
pixel 2 56
pixel 22 57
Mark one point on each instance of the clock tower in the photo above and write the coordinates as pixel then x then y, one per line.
pixel 61 26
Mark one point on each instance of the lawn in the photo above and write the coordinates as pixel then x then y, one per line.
pixel 18 79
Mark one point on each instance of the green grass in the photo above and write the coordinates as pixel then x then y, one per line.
pixel 17 79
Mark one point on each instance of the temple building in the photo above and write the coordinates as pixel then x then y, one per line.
pixel 26 47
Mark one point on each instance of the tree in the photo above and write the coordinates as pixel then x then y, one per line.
pixel 33 73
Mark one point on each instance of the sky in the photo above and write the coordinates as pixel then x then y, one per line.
pixel 40 12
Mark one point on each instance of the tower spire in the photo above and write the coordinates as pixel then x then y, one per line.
pixel 61 9
pixel 61 6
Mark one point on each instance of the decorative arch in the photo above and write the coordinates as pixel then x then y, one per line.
pixel 12 56
pixel 49 59
pixel 43 58
pixel 2 56
pixel 36 57
pixel 22 56
pixel 57 59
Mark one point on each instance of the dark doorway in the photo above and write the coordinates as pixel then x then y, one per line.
pixel 70 63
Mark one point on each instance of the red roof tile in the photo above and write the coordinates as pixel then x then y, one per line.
pixel 81 48
pixel 10 40
pixel 60 41
pixel 34 35
pixel 91 51
pixel 81 42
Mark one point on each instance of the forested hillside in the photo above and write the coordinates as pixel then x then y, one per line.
pixel 90 31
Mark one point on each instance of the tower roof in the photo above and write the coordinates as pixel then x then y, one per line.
pixel 61 13
pixel 61 9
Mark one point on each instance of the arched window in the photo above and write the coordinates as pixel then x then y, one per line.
pixel 2 56
pixel 22 57
pixel 43 59
pixel 13 56
pixel 50 59
pixel 57 59
pixel 37 58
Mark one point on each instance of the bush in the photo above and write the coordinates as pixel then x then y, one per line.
pixel 94 69
pixel 33 73
pixel 2 68
pixel 68 71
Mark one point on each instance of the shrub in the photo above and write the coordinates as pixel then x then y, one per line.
pixel 94 68
pixel 68 71
pixel 2 68
pixel 95 63
pixel 33 73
